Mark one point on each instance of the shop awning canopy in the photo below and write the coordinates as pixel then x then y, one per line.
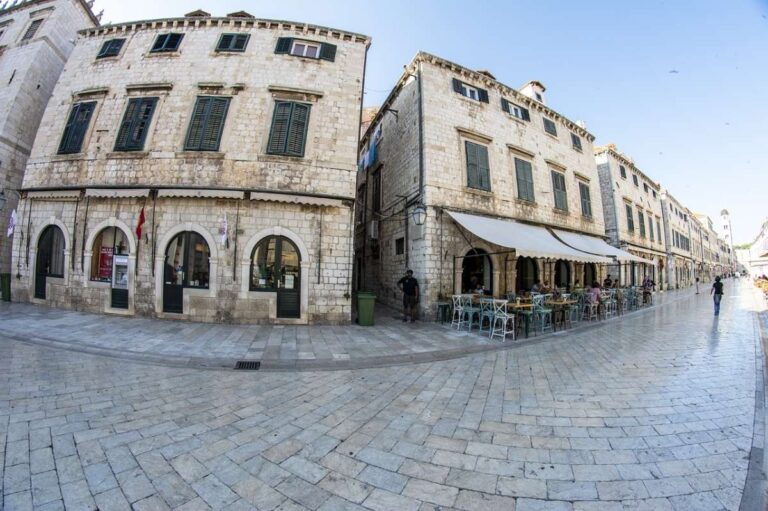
pixel 594 245
pixel 527 240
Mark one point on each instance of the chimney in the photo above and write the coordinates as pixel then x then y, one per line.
pixel 534 90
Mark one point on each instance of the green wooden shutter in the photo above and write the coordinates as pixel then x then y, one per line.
pixel 526 114
pixel 76 127
pixel 126 127
pixel 472 163
pixel 240 42
pixel 457 85
pixel 482 95
pixel 505 105
pixel 483 169
pixel 214 124
pixel 297 130
pixel 64 144
pixel 196 124
pixel 279 132
pixel 160 42
pixel 283 44
pixel 225 42
pixel 174 40
pixel 328 52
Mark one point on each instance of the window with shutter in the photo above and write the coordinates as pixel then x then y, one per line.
pixel 586 200
pixel 623 171
pixel 650 228
pixel 232 43
pixel 641 223
pixel 558 186
pixel 290 123
pixel 32 30
pixel 133 129
pixel 76 127
pixel 630 219
pixel 469 91
pixel 376 191
pixel 515 110
pixel 478 171
pixel 167 43
pixel 524 174
pixel 550 127
pixel 207 124
pixel 576 141
pixel 110 48
pixel 658 230
pixel 634 180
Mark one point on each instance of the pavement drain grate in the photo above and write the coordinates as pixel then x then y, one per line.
pixel 251 365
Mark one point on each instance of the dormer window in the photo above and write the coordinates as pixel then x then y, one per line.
pixel 306 49
pixel 469 91
pixel 539 98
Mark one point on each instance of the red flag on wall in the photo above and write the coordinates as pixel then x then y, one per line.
pixel 140 224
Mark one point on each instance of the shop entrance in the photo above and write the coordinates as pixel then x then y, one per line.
pixel 109 263
pixel 276 267
pixel 50 259
pixel 476 268
pixel 187 265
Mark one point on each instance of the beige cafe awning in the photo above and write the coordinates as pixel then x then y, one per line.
pixel 527 240
pixel 593 245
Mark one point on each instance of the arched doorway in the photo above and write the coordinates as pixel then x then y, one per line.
pixel 590 274
pixel 527 274
pixel 276 268
pixel 476 268
pixel 562 274
pixel 109 263
pixel 187 265
pixel 50 258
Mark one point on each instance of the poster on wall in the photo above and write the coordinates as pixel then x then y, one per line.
pixel 105 263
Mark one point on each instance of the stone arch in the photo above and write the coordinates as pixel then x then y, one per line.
pixel 112 222
pixel 33 250
pixel 132 249
pixel 496 264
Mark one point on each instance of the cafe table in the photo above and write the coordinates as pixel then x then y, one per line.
pixel 520 307
pixel 560 306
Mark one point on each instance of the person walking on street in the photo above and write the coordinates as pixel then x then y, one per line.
pixel 410 288
pixel 717 294
pixel 697 285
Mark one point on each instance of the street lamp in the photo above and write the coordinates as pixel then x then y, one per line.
pixel 419 214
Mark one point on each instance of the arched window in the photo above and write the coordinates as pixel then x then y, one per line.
pixel 110 242
pixel 476 269
pixel 562 274
pixel 275 264
pixel 187 261
pixel 50 252
pixel 527 274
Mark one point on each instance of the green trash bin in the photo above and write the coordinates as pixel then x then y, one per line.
pixel 5 286
pixel 365 305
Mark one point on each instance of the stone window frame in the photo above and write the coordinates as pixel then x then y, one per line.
pixel 471 136
pixel 561 175
pixel 95 97
pixel 26 35
pixel 547 122
pixel 584 182
pixel 106 45
pixel 280 93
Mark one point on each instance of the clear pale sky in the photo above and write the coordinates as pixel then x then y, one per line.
pixel 681 86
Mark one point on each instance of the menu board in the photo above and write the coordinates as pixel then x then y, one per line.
pixel 105 263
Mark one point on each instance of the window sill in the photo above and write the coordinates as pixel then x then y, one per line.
pixel 127 155
pixel 559 211
pixel 479 191
pixel 577 149
pixel 589 219
pixel 68 157
pixel 518 119
pixel 551 135
pixel 111 58
pixel 470 100
pixel 303 58
pixel 526 202
pixel 173 54
pixel 280 158
pixel 205 155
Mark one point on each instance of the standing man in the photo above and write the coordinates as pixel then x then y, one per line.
pixel 410 288
pixel 608 282
pixel 697 285
pixel 717 294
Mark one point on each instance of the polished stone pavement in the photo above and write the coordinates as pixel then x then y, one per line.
pixel 653 411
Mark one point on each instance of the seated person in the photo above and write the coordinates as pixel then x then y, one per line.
pixel 595 292
pixel 608 282
pixel 545 288
pixel 479 289
pixel 536 287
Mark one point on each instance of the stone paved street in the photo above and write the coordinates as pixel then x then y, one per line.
pixel 654 411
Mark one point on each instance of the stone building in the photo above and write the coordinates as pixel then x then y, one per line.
pixel 234 138
pixel 754 259
pixel 633 215
pixel 36 39
pixel 470 182
pixel 726 235
pixel 680 268
pixel 712 248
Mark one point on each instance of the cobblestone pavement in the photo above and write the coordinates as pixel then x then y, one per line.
pixel 653 412
pixel 277 347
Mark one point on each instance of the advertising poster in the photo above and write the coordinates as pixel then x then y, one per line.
pixel 105 263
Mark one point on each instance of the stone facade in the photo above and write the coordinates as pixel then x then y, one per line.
pixel 755 258
pixel 624 186
pixel 233 197
pixel 677 228
pixel 420 136
pixel 30 64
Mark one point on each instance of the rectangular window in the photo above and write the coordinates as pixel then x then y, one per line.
pixel 469 91
pixel 76 128
pixel 478 170
pixel 232 42
pixel 515 110
pixel 630 218
pixel 32 30
pixel 650 227
pixel 641 223
pixel 634 180
pixel 376 191
pixel 289 129
pixel 623 171
pixel 133 129
pixel 654 193
pixel 645 187
pixel 561 196
pixel 586 201
pixel 207 124
pixel 658 230
pixel 576 141
pixel 550 127
pixel 167 43
pixel 307 49
pixel 524 173
pixel 400 246
pixel 110 48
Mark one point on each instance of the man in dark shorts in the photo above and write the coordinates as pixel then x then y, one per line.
pixel 410 288
pixel 717 294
